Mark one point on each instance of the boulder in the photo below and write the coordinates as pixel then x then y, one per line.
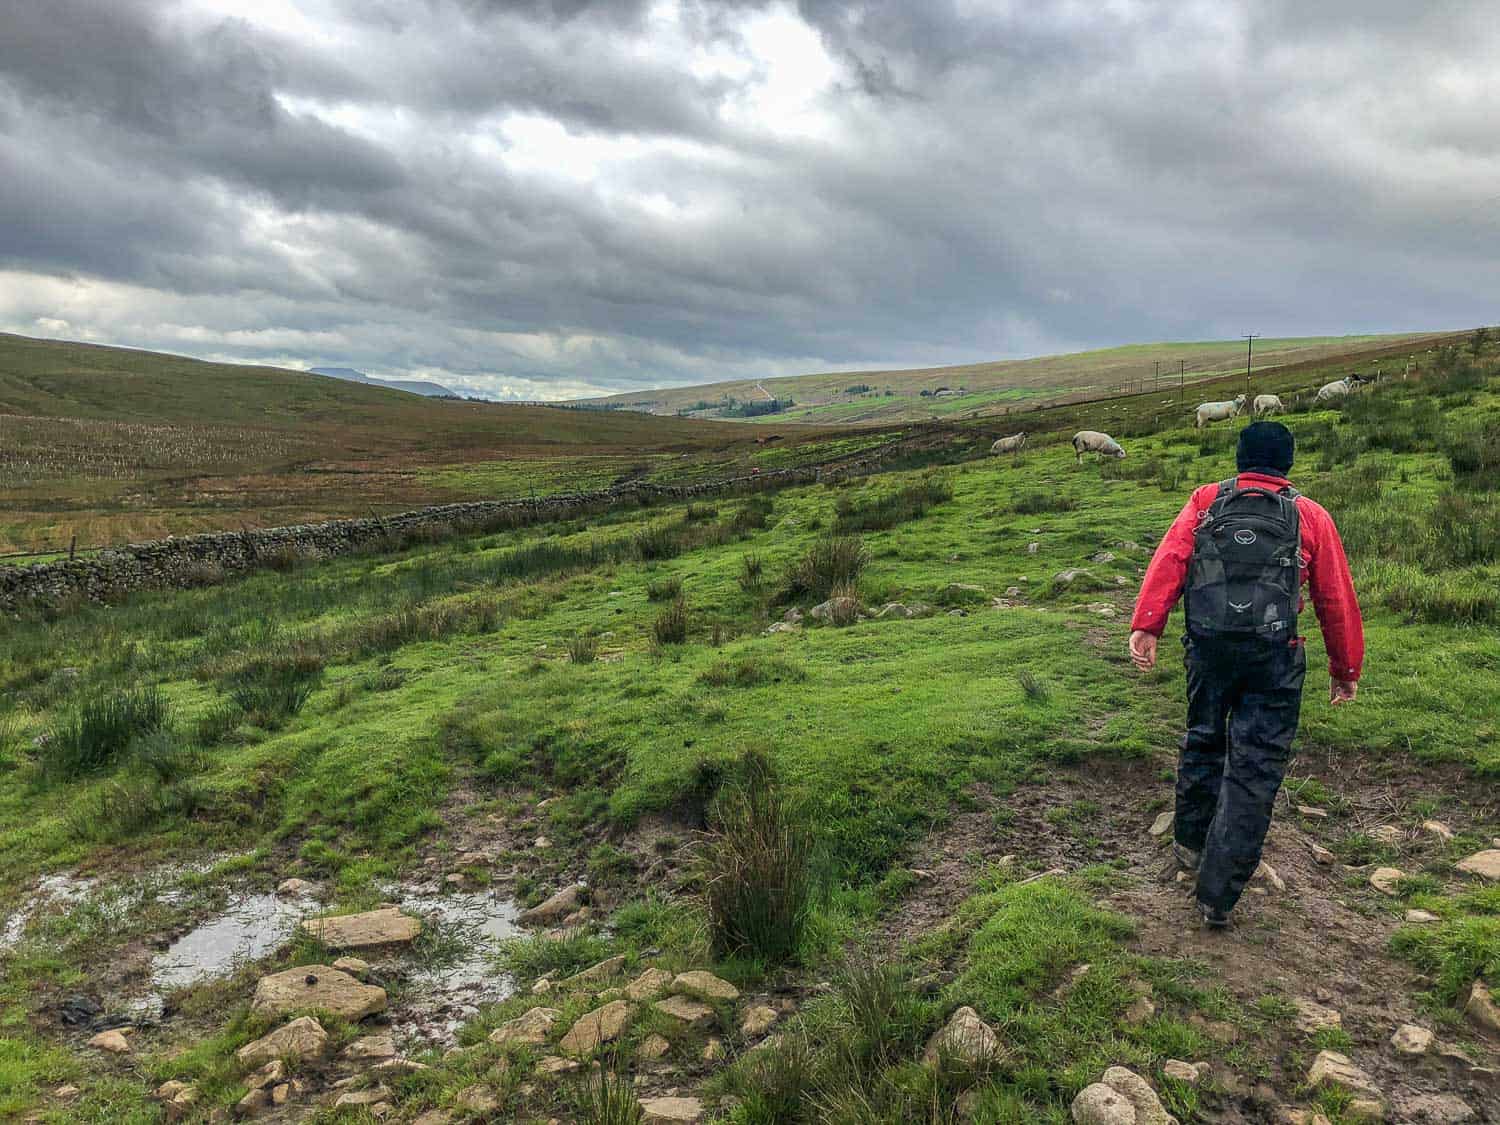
pixel 701 983
pixel 1163 823
pixel 1147 1106
pixel 652 1048
pixel 671 1111
pixel 556 908
pixel 965 1037
pixel 1332 1068
pixel 302 1038
pixel 694 1013
pixel 1437 1109
pixel 528 1030
pixel 1313 1017
pixel 373 928
pixel 594 973
pixel 653 982
pixel 592 1029
pixel 1484 864
pixel 1384 879
pixel 1102 1105
pixel 1409 1039
pixel 1481 1007
pixel 758 1020
pixel 316 987
pixel 113 1041
pixel 354 966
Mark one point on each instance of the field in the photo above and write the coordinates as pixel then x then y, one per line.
pixel 959 792
pixel 110 445
pixel 1004 387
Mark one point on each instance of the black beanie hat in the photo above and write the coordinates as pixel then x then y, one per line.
pixel 1265 445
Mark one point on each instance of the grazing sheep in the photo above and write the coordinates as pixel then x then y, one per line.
pixel 1218 411
pixel 1092 441
pixel 1339 388
pixel 1268 404
pixel 1010 444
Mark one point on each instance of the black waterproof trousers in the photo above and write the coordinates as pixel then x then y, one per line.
pixel 1244 700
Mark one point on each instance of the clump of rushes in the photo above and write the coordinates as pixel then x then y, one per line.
pixel 759 881
pixel 834 560
pixel 608 1098
pixel 274 688
pixel 1034 689
pixel 95 735
pixel 664 589
pixel 671 625
pixel 583 648
pixel 751 574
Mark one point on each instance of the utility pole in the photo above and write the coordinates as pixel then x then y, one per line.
pixel 1250 338
pixel 1156 386
pixel 1181 378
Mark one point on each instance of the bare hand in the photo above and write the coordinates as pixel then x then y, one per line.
pixel 1143 650
pixel 1342 691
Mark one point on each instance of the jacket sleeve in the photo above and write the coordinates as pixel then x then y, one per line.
pixel 1167 573
pixel 1333 597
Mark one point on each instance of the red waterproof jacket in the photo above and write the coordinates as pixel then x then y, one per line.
pixel 1326 572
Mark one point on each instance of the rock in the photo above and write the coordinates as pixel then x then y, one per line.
pixel 653 982
pixel 836 609
pixel 1163 823
pixel 302 1038
pixel 964 1037
pixel 603 1025
pixel 165 1092
pixel 1420 916
pixel 254 1104
pixel 594 973
pixel 1330 1067
pixel 1437 1109
pixel 528 1030
pixel 1365 1109
pixel 370 1048
pixel 113 1041
pixel 1313 812
pixel 272 1074
pixel 1141 1009
pixel 354 966
pixel 1102 1105
pixel 1065 578
pixel 1190 1074
pixel 559 906
pixel 652 1048
pixel 1437 828
pixel 541 987
pixel 477 1099
pixel 1484 864
pixel 435 1117
pixel 1267 873
pixel 67 1093
pixel 713 1050
pixel 356 1098
pixel 1481 1007
pixel 373 928
pixel 294 888
pixel 1387 834
pixel 1384 879
pixel 553 1065
pixel 671 1111
pixel 320 987
pixel 1104 557
pixel 281 1094
pixel 1320 854
pixel 758 1020
pixel 792 616
pixel 694 1013
pixel 1313 1017
pixel 701 983
pixel 541 843
pixel 1409 1039
pixel 1143 1099
pixel 397 1067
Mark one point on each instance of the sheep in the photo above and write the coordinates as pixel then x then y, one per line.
pixel 1336 389
pixel 1217 411
pixel 1010 444
pixel 1268 404
pixel 1092 441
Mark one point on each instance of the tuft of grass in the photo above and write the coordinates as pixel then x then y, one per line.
pixel 273 688
pixel 664 589
pixel 583 648
pixel 889 509
pixel 1039 503
pixel 99 732
pixel 834 560
pixel 529 958
pixel 1031 686
pixel 671 625
pixel 752 577
pixel 751 670
pixel 607 1098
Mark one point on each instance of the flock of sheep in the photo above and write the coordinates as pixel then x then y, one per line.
pixel 1092 441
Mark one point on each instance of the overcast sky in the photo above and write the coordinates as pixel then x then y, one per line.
pixel 550 198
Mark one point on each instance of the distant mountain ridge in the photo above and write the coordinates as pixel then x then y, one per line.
pixel 415 386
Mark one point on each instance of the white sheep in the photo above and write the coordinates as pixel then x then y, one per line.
pixel 1012 444
pixel 1268 404
pixel 1092 441
pixel 1339 388
pixel 1218 411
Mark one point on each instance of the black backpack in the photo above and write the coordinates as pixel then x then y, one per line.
pixel 1245 577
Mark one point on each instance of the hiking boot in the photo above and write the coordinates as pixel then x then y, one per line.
pixel 1213 917
pixel 1188 858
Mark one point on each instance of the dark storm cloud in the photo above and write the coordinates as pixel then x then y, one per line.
pixel 547 196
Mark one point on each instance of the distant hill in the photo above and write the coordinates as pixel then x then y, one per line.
pixel 415 386
pixel 997 387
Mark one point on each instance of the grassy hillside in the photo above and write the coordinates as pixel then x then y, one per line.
pixel 114 445
pixel 1004 386
pixel 965 794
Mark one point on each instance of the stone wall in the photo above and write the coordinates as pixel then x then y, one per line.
pixel 200 560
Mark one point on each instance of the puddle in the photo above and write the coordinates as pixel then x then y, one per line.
pixel 62 890
pixel 250 929
pixel 447 991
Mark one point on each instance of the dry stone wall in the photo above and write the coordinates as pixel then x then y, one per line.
pixel 198 560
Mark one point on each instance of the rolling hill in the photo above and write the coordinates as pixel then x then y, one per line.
pixel 998 387
pixel 414 386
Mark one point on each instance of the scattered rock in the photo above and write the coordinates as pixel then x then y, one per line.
pixel 1163 823
pixel 694 1013
pixel 713 1050
pixel 67 1093
pixel 397 1067
pixel 652 1048
pixel 113 1041
pixel 302 1038
pixel 281 1094
pixel 541 987
pixel 1437 1109
pixel 477 1099
pixel 541 843
pixel 1384 879
pixel 553 1065
pixel 1333 1067
pixel 1141 1009
pixel 559 906
pixel 1320 854
pixel 255 1103
pixel 965 1037
pixel 1102 1105
pixel 603 1025
pixel 653 982
pixel 1267 873
pixel 354 966
pixel 1136 1090
pixel 671 1111
pixel 1388 834
pixel 528 1030
pixel 1190 1074
pixel 1065 578
pixel 319 987
pixel 1484 864
pixel 836 609
pixel 1420 916
pixel 1104 557
pixel 758 1020
pixel 706 984
pixel 1409 1039
pixel 373 928
pixel 595 973
pixel 1313 812
pixel 1313 1017
pixel 1437 828
pixel 370 1048
pixel 294 888
pixel 272 1074
pixel 356 1098
pixel 1481 1007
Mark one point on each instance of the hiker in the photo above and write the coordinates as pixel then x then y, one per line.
pixel 1240 550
